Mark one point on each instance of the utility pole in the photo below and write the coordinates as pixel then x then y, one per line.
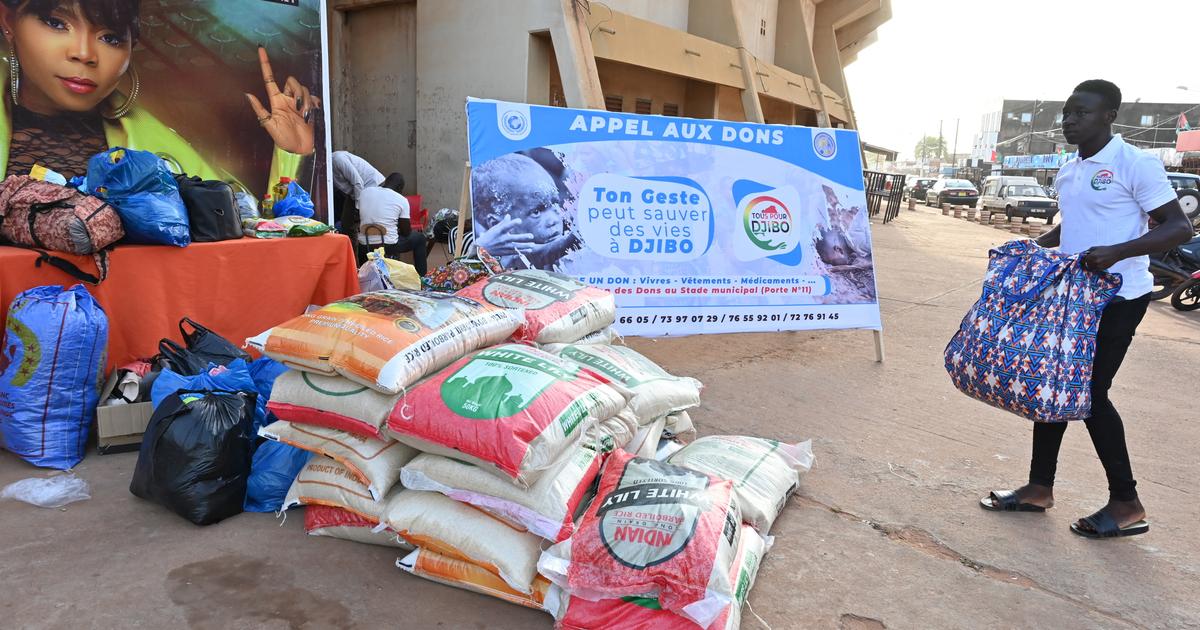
pixel 955 152
pixel 941 143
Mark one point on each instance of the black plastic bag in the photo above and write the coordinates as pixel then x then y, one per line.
pixel 195 455
pixel 208 346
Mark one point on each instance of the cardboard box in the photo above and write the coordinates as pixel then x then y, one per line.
pixel 119 428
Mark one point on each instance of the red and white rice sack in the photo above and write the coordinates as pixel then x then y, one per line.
pixel 331 401
pixel 435 522
pixel 654 530
pixel 322 520
pixel 656 392
pixel 764 472
pixel 557 308
pixel 386 339
pixel 375 462
pixel 511 409
pixel 645 613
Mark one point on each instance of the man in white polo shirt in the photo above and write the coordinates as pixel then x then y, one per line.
pixel 386 221
pixel 1105 195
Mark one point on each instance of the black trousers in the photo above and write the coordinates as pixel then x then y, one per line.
pixel 1117 327
pixel 415 243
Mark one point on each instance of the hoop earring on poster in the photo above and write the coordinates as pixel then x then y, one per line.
pixel 129 100
pixel 14 74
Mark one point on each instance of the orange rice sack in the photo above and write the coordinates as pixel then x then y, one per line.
pixel 387 340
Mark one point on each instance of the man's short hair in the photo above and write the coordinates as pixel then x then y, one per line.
pixel 1108 92
pixel 395 181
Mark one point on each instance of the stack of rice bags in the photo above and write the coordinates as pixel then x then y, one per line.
pixel 512 439
pixel 351 361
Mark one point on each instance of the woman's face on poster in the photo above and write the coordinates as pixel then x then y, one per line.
pixel 68 64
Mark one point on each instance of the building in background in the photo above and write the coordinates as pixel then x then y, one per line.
pixel 1035 127
pixel 401 70
pixel 983 147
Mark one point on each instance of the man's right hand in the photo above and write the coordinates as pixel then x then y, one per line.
pixel 1049 239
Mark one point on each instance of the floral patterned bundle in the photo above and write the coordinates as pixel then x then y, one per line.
pixel 461 272
pixel 1027 345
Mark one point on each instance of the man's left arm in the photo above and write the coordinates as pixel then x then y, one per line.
pixel 1150 189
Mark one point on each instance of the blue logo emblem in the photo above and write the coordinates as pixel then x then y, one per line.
pixel 515 123
pixel 824 145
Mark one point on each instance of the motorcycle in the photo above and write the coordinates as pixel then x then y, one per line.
pixel 1187 296
pixel 1173 268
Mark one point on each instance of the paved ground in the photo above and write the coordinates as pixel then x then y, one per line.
pixel 886 531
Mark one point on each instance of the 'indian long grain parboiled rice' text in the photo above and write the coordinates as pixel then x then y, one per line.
pixel 387 339
pixel 654 529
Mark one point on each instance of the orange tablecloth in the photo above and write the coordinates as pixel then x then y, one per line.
pixel 236 288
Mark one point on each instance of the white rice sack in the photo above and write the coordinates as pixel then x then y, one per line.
pixel 387 340
pixel 645 441
pixel 331 401
pixel 556 308
pixel 679 425
pixel 322 520
pixel 656 392
pixel 324 481
pixel 376 462
pixel 433 521
pixel 547 508
pixel 764 472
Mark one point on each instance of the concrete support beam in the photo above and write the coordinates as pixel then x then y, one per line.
pixel 794 52
pixel 576 61
pixel 833 15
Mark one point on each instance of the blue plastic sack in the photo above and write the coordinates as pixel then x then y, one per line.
pixel 51 369
pixel 143 190
pixel 236 377
pixel 264 371
pixel 297 203
pixel 274 468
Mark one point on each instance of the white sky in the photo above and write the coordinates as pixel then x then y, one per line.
pixel 972 54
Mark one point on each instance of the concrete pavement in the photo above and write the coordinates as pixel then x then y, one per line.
pixel 885 532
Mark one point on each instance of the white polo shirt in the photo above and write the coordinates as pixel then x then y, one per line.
pixel 1104 200
pixel 382 206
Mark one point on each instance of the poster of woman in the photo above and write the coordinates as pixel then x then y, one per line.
pixel 220 89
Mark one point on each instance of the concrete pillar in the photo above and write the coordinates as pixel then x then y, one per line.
pixel 576 61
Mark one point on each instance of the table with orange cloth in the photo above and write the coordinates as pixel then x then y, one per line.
pixel 236 288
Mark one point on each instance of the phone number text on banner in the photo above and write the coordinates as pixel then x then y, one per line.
pixel 696 226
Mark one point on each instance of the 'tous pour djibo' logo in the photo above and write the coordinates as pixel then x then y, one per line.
pixel 770 219
pixel 767 220
pixel 1102 179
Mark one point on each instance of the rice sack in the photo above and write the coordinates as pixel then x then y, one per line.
pixel 512 409
pixel 324 481
pixel 654 530
pixel 656 393
pixel 386 339
pixel 322 520
pixel 764 472
pixel 375 462
pixel 557 308
pixel 331 401
pixel 442 569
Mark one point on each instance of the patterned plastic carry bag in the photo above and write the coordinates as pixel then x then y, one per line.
pixel 1027 344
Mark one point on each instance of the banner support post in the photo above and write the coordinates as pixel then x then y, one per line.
pixel 464 206
pixel 878 346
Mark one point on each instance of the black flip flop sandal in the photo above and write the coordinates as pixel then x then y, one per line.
pixel 1006 501
pixel 1104 526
